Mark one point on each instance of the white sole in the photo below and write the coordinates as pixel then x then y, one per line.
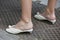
pixel 40 17
pixel 16 31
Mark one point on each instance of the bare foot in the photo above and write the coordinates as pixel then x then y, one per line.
pixel 49 15
pixel 23 25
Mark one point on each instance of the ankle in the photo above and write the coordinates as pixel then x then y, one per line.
pixel 28 24
pixel 50 11
pixel 26 20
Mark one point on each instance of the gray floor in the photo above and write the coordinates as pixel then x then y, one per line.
pixel 10 12
pixel 46 1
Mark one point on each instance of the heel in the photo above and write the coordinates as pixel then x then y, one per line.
pixel 52 21
pixel 30 31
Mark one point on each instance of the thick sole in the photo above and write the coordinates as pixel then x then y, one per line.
pixel 17 31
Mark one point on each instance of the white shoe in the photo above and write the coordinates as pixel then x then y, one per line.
pixel 16 31
pixel 40 17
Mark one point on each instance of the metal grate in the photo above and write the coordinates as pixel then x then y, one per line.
pixel 10 12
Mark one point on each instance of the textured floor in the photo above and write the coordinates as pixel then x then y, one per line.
pixel 10 12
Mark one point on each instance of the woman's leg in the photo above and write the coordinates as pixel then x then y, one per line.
pixel 26 10
pixel 49 13
pixel 25 22
pixel 50 9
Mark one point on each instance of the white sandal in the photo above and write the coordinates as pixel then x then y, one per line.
pixel 16 31
pixel 40 17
